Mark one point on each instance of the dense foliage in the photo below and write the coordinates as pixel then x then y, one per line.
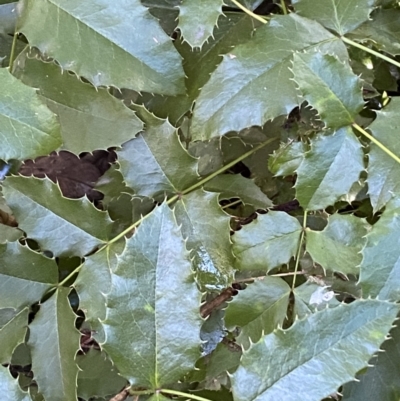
pixel 199 200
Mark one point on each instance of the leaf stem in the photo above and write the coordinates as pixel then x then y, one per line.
pixel 368 50
pixel 247 11
pixel 70 275
pixel 376 142
pixel 236 202
pixel 12 53
pixel 186 395
pixel 283 6
pixel 296 267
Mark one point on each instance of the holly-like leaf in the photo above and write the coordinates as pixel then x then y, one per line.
pixel 329 86
pixel 97 376
pixel 317 367
pixel 234 186
pixel 9 234
pixel 12 334
pixel 25 275
pixel 268 242
pixel 337 15
pixel 9 388
pixel 384 172
pixel 259 309
pixel 380 268
pixel 197 20
pixel 208 238
pixel 250 86
pixel 286 160
pixel 90 118
pixel 154 295
pixel 27 127
pixel 329 169
pixel 54 339
pixel 338 246
pixel 153 162
pixel 76 226
pixel 382 379
pixel 86 37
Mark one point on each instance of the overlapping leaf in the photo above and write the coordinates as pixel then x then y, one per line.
pixel 54 339
pixel 197 20
pixel 329 86
pixel 286 159
pixel 90 118
pixel 27 127
pixel 379 274
pixel 237 186
pixel 338 15
pixel 251 86
pixel 153 162
pixel 25 275
pixel 10 390
pixel 268 242
pixel 64 226
pixel 208 238
pixel 338 246
pixel 87 37
pixel 329 169
pixel 383 171
pixel 317 367
pixel 155 297
pixel 258 310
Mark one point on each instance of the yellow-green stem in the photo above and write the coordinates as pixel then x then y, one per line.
pixel 368 50
pixel 186 395
pixel 247 11
pixel 12 53
pixel 296 267
pixel 376 142
pixel 283 6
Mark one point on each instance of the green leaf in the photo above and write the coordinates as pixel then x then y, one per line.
pixel 9 234
pixel 237 186
pixel 90 118
pixel 268 242
pixel 337 15
pixel 251 86
pixel 102 42
pixel 379 270
pixel 76 226
pixel 259 309
pixel 25 275
pixel 12 334
pixel 271 366
pixel 329 86
pixel 8 18
pixel 287 159
pixel 97 376
pixel 153 162
pixel 383 29
pixel 338 247
pixel 27 127
pixel 382 380
pixel 54 339
pixel 329 169
pixel 9 388
pixel 384 172
pixel 197 20
pixel 208 238
pixel 154 295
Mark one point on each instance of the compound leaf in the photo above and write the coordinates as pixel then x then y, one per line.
pixel 338 246
pixel 54 339
pixel 329 86
pixel 76 226
pixel 250 86
pixel 197 20
pixel 383 171
pixel 268 242
pixel 25 275
pixel 317 367
pixel 156 299
pixel 329 169
pixel 208 238
pixel 380 268
pixel 87 37
pixel 338 15
pixel 27 127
